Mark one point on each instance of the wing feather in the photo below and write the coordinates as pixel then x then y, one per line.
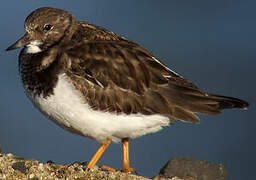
pixel 124 77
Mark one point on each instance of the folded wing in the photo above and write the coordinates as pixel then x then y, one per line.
pixel 121 76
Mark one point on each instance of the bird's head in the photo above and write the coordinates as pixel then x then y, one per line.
pixel 45 27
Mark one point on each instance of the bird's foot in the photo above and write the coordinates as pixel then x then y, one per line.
pixel 108 168
pixel 128 170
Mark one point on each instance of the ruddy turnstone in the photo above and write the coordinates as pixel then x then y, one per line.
pixel 94 83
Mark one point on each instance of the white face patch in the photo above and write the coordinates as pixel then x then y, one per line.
pixel 33 47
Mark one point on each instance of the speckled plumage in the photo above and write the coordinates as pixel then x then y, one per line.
pixel 111 74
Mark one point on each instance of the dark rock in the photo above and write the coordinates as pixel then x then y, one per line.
pixel 84 163
pixel 50 162
pixel 61 171
pixel 192 168
pixel 20 166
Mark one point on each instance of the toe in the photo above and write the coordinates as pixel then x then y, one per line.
pixel 108 168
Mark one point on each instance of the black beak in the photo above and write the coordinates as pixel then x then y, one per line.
pixel 20 43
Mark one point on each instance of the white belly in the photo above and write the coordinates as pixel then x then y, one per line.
pixel 67 108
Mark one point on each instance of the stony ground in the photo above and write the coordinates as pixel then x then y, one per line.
pixel 16 168
pixel 12 168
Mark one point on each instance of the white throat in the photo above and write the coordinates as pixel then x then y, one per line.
pixel 33 47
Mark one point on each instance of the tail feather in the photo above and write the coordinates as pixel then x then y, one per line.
pixel 229 102
pixel 186 103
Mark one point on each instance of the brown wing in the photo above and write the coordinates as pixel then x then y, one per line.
pixel 119 76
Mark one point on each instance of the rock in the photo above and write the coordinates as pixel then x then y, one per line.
pixel 20 166
pixel 189 168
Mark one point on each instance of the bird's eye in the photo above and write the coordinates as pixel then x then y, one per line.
pixel 47 27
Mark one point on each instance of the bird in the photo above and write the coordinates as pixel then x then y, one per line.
pixel 97 84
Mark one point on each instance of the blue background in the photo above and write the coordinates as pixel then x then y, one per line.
pixel 211 43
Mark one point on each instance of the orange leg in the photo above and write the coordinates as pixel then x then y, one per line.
pixel 98 154
pixel 126 161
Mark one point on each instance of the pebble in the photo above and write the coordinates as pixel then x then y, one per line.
pixel 9 155
pixel 31 176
